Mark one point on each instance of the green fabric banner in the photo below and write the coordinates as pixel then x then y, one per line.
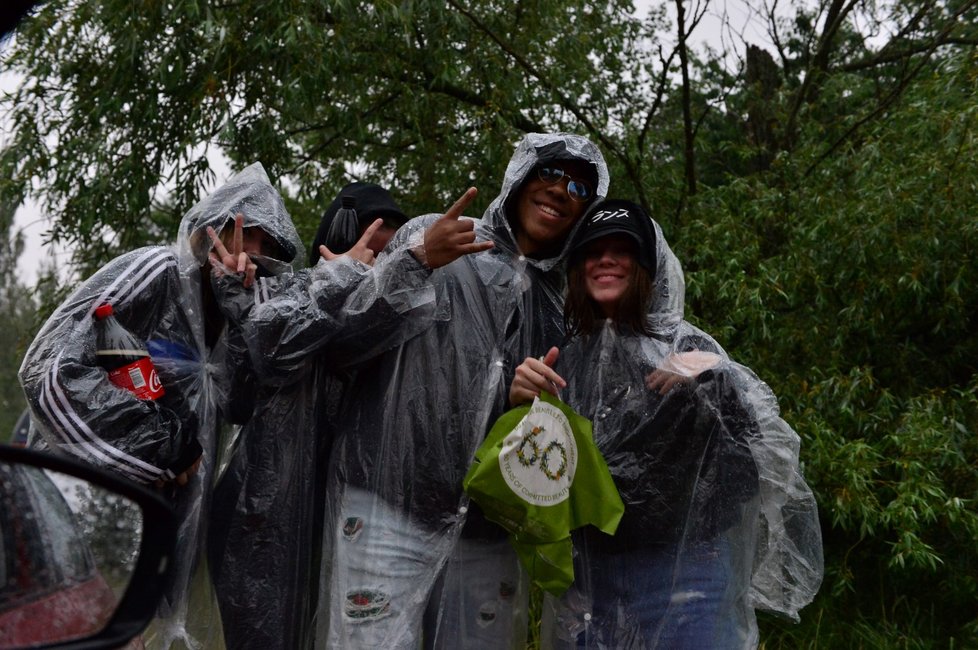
pixel 539 475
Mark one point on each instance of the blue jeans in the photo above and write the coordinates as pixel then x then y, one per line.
pixel 392 582
pixel 654 598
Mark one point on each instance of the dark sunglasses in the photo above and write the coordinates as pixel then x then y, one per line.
pixel 577 190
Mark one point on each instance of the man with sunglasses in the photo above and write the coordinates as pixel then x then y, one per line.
pixel 406 556
pixel 550 203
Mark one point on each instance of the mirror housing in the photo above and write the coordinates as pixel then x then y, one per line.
pixel 158 539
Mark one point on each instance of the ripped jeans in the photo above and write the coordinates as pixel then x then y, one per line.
pixel 653 598
pixel 393 583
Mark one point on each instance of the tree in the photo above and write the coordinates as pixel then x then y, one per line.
pixel 17 313
pixel 818 189
pixel 852 291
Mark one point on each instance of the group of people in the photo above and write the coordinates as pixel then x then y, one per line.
pixel 332 513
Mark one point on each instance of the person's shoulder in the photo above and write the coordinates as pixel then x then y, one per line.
pixel 135 272
pixel 141 261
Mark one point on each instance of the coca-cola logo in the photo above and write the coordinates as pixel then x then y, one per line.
pixel 155 385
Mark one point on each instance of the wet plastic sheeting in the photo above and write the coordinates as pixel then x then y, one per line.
pixel 156 293
pixel 408 433
pixel 718 519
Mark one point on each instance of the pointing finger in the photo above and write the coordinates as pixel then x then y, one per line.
pixel 218 244
pixel 369 233
pixel 459 206
pixel 239 234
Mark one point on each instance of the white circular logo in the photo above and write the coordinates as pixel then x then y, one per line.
pixel 538 458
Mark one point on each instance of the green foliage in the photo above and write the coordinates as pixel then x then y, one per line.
pixel 132 95
pixel 852 291
pixel 17 325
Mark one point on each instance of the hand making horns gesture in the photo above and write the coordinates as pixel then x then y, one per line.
pixel 449 238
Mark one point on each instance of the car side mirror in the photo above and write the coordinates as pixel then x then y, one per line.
pixel 83 553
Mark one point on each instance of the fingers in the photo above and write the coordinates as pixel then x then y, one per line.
pixel 369 233
pixel 664 381
pixel 218 244
pixel 183 477
pixel 475 247
pixel 550 358
pixel 326 254
pixel 534 375
pixel 217 266
pixel 250 270
pixel 361 251
pixel 239 235
pixel 459 206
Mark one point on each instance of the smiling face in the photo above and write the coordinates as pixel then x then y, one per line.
pixel 546 213
pixel 609 265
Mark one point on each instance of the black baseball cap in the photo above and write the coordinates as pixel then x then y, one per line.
pixel 619 217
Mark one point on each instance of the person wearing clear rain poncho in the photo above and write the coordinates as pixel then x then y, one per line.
pixel 162 296
pixel 305 330
pixel 718 520
pixel 394 544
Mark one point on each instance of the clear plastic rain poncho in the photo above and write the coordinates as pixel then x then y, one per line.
pixel 307 332
pixel 718 519
pixel 407 433
pixel 158 294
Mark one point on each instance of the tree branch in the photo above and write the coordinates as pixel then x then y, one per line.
pixel 565 101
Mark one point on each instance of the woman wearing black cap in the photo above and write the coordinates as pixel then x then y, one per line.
pixel 718 520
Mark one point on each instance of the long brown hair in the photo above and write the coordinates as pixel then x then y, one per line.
pixel 583 316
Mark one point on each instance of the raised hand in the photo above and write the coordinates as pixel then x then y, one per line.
pixel 236 260
pixel 359 251
pixel 449 238
pixel 533 376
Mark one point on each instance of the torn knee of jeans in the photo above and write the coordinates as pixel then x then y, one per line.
pixel 352 528
pixel 365 605
pixel 487 614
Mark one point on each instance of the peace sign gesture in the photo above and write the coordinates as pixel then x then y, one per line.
pixel 236 260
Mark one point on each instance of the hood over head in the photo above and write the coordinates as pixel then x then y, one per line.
pixel 372 202
pixel 533 150
pixel 668 289
pixel 250 193
pixel 618 216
